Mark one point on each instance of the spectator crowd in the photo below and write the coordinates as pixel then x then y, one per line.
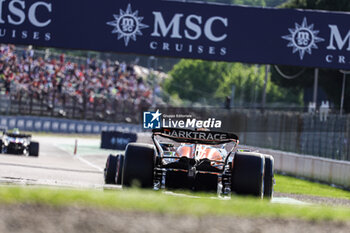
pixel 52 79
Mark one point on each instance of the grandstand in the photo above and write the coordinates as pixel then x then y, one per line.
pixel 45 84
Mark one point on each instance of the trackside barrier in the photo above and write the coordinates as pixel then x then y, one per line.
pixel 321 169
pixel 116 140
pixel 53 125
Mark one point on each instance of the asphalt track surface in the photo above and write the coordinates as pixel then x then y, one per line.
pixel 57 164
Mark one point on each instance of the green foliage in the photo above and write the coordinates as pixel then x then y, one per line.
pixel 250 2
pixel 274 3
pixel 195 79
pixel 249 82
pixel 329 80
pixel 271 3
pixel 287 184
pixel 331 5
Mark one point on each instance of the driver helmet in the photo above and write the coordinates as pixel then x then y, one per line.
pixel 15 131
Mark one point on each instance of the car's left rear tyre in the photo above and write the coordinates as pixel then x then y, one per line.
pixel 110 169
pixel 34 149
pixel 139 165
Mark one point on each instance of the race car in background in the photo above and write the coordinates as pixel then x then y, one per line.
pixel 20 144
pixel 194 160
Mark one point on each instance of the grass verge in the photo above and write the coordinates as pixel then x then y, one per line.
pixel 158 202
pixel 287 184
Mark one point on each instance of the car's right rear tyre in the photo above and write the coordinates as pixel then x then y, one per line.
pixel 247 174
pixel 119 171
pixel 34 149
pixel 138 165
pixel 268 177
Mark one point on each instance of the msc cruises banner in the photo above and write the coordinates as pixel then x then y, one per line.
pixel 178 29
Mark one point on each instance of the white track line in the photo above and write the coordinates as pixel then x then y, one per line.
pixel 275 200
pixel 81 159
pixel 89 163
pixel 288 200
pixel 48 183
pixel 179 194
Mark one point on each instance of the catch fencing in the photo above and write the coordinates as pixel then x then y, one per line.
pixel 70 107
pixel 301 133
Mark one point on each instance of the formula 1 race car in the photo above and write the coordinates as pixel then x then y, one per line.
pixel 194 160
pixel 19 144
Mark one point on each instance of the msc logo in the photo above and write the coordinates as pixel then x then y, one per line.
pixel 303 38
pixel 151 120
pixel 127 25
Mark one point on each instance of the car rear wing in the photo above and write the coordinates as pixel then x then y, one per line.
pixel 196 136
pixel 13 135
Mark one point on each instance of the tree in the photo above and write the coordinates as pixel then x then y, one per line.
pixel 195 79
pixel 331 5
pixel 249 81
pixel 250 2
pixel 270 3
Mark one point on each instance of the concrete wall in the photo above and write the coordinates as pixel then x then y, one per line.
pixel 327 170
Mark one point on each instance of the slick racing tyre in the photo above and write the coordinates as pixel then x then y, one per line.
pixel 119 171
pixel 247 174
pixel 138 165
pixel 34 149
pixel 269 176
pixel 110 170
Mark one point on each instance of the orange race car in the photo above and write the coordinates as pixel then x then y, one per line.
pixel 197 160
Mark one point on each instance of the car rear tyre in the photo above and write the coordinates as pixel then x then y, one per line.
pixel 247 174
pixel 269 176
pixel 110 169
pixel 138 165
pixel 34 149
pixel 119 171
